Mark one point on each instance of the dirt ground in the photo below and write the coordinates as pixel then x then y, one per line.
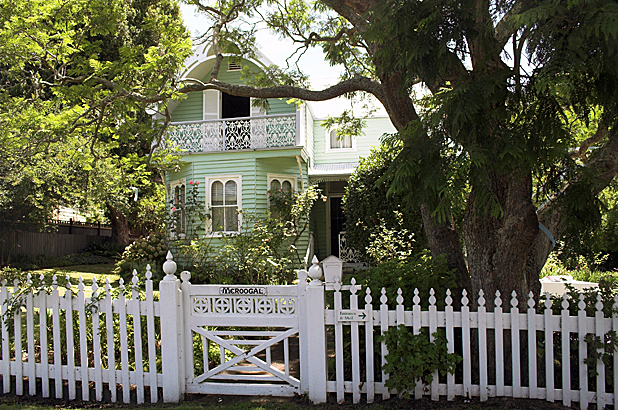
pixel 271 403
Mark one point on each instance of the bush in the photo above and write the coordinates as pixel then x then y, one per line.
pixel 417 272
pixel 144 251
pixel 413 357
pixel 371 211
pixel 32 262
pixel 107 249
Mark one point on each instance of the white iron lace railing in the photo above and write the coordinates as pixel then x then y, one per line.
pixel 347 254
pixel 266 131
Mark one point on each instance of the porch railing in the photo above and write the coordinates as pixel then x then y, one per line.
pixel 267 131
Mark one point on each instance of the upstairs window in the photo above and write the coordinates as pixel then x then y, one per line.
pixel 339 142
pixel 224 199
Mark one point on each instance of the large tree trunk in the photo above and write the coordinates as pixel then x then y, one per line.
pixel 498 247
pixel 120 226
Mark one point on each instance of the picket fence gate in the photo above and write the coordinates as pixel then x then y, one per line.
pixel 130 346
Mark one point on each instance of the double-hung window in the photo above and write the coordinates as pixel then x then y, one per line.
pixel 336 142
pixel 224 202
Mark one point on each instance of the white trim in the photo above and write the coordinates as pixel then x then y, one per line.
pixel 285 177
pixel 327 142
pixel 281 177
pixel 209 179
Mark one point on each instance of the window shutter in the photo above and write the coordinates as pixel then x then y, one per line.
pixel 211 105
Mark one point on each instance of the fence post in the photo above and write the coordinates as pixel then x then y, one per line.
pixel 171 342
pixel 316 336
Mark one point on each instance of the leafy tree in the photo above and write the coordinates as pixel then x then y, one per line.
pixel 491 134
pixel 500 76
pixel 75 80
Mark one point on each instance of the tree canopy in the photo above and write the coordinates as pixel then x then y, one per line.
pixel 495 132
pixel 70 133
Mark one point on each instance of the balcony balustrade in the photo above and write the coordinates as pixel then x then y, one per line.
pixel 267 131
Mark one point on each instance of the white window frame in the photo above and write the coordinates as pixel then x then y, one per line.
pixel 330 149
pixel 173 185
pixel 281 177
pixel 223 178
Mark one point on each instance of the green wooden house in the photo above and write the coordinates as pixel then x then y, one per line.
pixel 237 153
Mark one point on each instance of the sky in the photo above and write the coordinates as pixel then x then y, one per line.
pixel 312 63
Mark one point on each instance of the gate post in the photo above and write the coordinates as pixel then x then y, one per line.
pixel 316 336
pixel 171 342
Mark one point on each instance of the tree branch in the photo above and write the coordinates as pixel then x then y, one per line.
pixel 358 83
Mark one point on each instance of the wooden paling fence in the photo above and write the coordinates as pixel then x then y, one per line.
pixel 98 343
pixel 62 336
pixel 534 351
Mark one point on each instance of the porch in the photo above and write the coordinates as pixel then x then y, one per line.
pixel 264 131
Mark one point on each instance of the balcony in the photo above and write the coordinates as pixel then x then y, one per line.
pixel 266 131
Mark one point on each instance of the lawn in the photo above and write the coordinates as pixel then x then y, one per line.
pixel 101 272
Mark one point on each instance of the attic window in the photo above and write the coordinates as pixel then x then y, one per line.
pixel 233 66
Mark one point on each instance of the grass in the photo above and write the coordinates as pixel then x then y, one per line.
pixel 101 272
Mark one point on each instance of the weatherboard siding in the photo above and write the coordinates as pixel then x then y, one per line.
pixel 190 108
pixel 254 167
pixel 373 131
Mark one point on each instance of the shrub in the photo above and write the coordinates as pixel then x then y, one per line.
pixel 414 357
pixel 417 272
pixel 371 211
pixel 144 251
pixel 31 262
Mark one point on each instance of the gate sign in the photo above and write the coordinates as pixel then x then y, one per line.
pixel 352 316
pixel 243 290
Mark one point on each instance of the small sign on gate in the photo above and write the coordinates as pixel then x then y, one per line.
pixel 352 316
pixel 243 290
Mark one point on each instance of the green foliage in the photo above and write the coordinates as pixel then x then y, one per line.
pixel 264 251
pixel 373 214
pixel 412 358
pixel 150 250
pixel 30 262
pixel 418 272
pixel 72 117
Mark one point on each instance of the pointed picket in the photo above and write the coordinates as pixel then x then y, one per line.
pixel 482 347
pixel 152 342
pixel 96 340
pixel 108 308
pixel 369 347
pixel 137 339
pixel 383 349
pixel 549 349
pixel 532 382
pixel 583 352
pixel 356 381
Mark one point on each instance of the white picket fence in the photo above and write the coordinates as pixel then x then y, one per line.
pixel 138 344
pixel 40 342
pixel 523 330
